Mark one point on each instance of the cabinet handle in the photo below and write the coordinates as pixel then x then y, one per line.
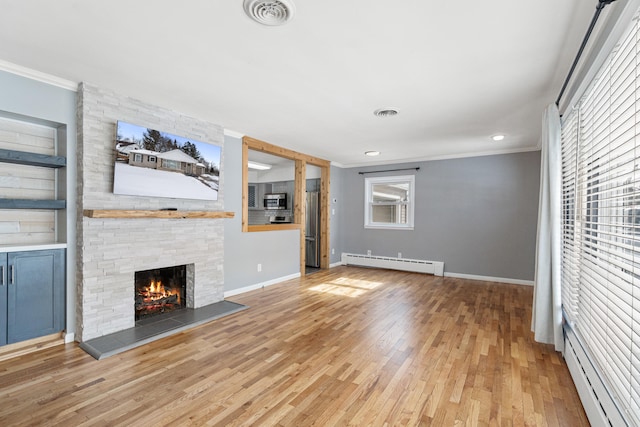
pixel 11 275
pixel 1 275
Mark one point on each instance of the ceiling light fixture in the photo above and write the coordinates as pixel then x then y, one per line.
pixel 269 12
pixel 258 166
pixel 498 137
pixel 372 153
pixel 385 112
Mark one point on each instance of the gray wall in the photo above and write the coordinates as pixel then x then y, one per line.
pixel 38 102
pixel 277 251
pixel 477 214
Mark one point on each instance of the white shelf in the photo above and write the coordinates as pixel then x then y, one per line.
pixel 39 247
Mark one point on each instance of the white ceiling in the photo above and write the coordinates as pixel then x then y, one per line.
pixel 458 71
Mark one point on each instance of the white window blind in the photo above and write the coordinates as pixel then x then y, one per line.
pixel 601 222
pixel 570 253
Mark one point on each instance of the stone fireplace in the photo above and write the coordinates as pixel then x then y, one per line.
pixel 111 250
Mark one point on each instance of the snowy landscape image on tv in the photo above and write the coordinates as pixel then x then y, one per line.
pixel 158 164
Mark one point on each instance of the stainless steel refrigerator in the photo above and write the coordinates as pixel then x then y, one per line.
pixel 312 230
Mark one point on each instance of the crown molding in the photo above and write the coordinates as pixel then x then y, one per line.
pixel 233 133
pixel 32 74
pixel 443 157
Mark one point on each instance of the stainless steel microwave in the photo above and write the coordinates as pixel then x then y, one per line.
pixel 275 201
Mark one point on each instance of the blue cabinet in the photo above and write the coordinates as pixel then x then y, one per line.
pixel 32 296
pixel 3 298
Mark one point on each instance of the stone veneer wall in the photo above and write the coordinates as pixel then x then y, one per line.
pixel 111 250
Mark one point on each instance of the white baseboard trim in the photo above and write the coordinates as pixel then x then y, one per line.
pixel 489 279
pixel 260 285
pixel 68 337
pixel 336 264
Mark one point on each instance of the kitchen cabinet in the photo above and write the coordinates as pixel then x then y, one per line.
pixel 32 296
pixel 252 196
pixel 256 195
pixel 3 298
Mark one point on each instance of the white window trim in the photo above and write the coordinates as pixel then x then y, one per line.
pixel 368 185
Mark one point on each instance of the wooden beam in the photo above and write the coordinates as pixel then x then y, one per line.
pixel 245 187
pixel 274 227
pixel 257 145
pixel 112 213
pixel 300 208
pixel 325 217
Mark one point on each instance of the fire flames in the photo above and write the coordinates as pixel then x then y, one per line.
pixel 156 291
pixel 155 299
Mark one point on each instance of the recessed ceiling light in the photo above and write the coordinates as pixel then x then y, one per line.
pixel 498 137
pixel 270 12
pixel 372 153
pixel 385 112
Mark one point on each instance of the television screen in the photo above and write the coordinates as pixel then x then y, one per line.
pixel 158 164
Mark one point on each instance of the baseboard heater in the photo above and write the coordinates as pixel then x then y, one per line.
pixel 599 405
pixel 404 264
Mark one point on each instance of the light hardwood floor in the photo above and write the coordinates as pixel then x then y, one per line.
pixel 347 346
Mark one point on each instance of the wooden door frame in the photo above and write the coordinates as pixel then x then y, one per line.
pixel 299 208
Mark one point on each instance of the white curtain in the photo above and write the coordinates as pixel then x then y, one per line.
pixel 546 322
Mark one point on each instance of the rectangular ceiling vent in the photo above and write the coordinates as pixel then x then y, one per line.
pixel 405 264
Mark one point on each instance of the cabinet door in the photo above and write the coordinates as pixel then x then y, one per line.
pixel 252 196
pixel 35 294
pixel 3 298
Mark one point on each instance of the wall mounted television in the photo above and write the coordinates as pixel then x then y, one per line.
pixel 153 163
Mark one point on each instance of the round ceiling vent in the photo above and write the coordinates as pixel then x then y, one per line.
pixel 385 112
pixel 269 12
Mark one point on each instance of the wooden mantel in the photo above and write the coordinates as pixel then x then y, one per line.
pixel 114 213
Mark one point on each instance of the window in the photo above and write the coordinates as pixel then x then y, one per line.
pixel 152 159
pixel 600 222
pixel 137 157
pixel 389 202
pixel 170 164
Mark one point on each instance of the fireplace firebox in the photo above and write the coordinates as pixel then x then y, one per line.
pixel 159 291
